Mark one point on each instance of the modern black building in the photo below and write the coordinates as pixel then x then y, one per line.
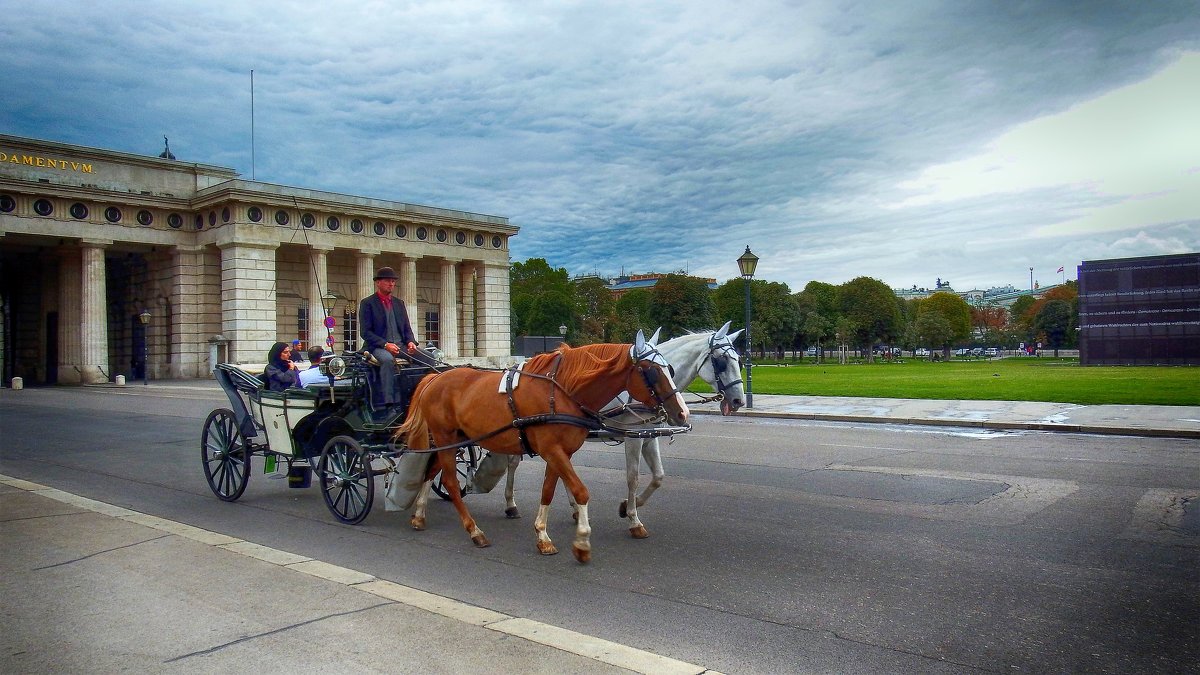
pixel 1140 311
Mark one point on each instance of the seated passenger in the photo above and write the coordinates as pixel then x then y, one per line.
pixel 313 375
pixel 281 371
pixel 383 325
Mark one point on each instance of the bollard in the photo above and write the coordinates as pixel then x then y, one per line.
pixel 18 383
pixel 120 380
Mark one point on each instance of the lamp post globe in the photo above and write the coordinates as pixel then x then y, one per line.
pixel 747 262
pixel 144 317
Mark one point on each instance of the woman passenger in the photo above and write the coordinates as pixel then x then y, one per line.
pixel 281 371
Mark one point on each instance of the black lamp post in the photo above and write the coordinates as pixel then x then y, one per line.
pixel 144 317
pixel 746 263
pixel 328 303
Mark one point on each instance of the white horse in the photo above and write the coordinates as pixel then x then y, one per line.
pixel 710 356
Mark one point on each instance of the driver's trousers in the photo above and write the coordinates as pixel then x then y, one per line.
pixel 388 392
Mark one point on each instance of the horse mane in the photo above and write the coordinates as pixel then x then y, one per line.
pixel 579 364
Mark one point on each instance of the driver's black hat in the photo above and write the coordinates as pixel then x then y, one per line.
pixel 386 273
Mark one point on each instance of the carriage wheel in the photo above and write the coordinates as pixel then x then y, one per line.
pixel 225 455
pixel 466 460
pixel 346 479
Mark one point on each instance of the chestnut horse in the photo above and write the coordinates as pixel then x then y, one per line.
pixel 549 412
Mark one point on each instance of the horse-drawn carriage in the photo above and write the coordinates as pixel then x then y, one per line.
pixel 333 430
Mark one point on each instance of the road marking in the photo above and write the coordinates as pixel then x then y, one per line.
pixel 580 644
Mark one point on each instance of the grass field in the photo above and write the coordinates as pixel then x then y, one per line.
pixel 1006 379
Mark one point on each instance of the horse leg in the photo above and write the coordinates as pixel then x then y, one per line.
pixel 446 461
pixel 510 503
pixel 544 545
pixel 629 505
pixel 558 464
pixel 418 515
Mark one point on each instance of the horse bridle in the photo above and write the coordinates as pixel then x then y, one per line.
pixel 650 375
pixel 718 354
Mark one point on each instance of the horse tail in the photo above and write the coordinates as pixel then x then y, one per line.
pixel 415 429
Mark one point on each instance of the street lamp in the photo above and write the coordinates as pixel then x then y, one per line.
pixel 328 302
pixel 746 263
pixel 144 317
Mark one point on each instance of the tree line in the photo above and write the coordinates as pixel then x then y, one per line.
pixel 859 314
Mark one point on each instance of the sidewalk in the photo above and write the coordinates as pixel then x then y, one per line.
pixel 1126 420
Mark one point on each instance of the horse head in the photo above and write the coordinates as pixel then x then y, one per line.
pixel 655 387
pixel 723 369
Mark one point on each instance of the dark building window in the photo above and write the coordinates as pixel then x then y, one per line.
pixel 401 231
pixel 441 236
pixel 350 329
pixel 379 228
pixel 497 241
pixel 282 217
pixel 308 220
pixel 356 226
pixel 460 238
pixel 479 240
pixel 175 220
pixel 43 207
pixel 255 214
pixel 145 217
pixel 422 233
pixel 212 218
pixel 112 214
pixel 7 203
pixel 225 215
pixel 431 326
pixel 199 222
pixel 333 223
pixel 79 211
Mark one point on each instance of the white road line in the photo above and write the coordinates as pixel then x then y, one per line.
pixel 586 646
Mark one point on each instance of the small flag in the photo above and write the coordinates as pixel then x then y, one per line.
pixel 1060 269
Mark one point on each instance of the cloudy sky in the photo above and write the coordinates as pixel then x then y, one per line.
pixel 966 140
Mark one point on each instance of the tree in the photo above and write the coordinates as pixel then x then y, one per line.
pixel 632 312
pixel 542 298
pixel 595 312
pixel 1055 321
pixel 776 315
pixel 954 325
pixel 870 306
pixel 817 305
pixel 679 303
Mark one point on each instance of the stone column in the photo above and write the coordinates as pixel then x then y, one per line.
pixel 365 276
pixel 318 285
pixel 408 292
pixel 448 312
pixel 492 320
pixel 94 314
pixel 189 344
pixel 466 310
pixel 70 321
pixel 248 300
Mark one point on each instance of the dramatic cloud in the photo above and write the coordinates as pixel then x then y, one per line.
pixel 904 141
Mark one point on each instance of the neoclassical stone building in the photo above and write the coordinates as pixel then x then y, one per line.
pixel 94 242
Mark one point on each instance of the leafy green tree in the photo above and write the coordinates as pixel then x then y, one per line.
pixel 776 319
pixel 870 306
pixel 679 303
pixel 542 298
pixel 955 324
pixel 632 313
pixel 595 312
pixel 1055 321
pixel 817 305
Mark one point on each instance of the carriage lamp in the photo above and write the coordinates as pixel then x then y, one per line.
pixel 746 263
pixel 144 317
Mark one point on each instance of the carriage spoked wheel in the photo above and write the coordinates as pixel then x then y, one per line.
pixel 346 479
pixel 466 461
pixel 225 455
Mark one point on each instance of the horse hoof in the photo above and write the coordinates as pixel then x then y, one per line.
pixel 639 532
pixel 417 523
pixel 546 548
pixel 512 513
pixel 623 511
pixel 584 556
pixel 481 541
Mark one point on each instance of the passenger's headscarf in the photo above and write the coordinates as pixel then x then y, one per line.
pixel 275 355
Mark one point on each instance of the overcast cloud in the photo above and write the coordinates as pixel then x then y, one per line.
pixel 965 140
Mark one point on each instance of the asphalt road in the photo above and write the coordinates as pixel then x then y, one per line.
pixel 776 545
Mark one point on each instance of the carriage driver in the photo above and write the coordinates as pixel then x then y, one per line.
pixel 383 325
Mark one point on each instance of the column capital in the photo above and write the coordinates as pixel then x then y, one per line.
pixel 368 252
pixel 187 248
pixel 96 243
pixel 449 260
pixel 327 248
pixel 269 245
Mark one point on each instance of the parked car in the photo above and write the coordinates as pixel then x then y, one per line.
pixel 921 351
pixel 977 351
pixel 811 351
pixel 992 351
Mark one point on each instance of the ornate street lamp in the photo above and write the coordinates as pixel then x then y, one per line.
pixel 144 317
pixel 746 263
pixel 329 302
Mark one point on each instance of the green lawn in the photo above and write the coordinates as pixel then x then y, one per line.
pixel 1007 379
